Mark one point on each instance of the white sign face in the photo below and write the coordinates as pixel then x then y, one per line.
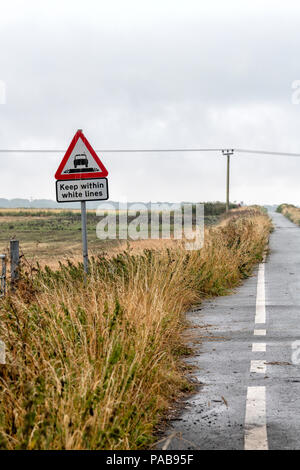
pixel 95 189
pixel 81 161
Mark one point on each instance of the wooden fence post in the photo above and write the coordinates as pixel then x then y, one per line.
pixel 2 353
pixel 14 262
pixel 3 276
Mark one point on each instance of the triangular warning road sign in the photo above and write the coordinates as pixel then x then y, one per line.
pixel 80 161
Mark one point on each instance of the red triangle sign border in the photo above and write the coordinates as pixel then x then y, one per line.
pixel 98 174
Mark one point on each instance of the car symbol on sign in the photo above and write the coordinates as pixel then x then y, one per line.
pixel 81 160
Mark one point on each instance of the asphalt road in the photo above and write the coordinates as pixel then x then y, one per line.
pixel 247 364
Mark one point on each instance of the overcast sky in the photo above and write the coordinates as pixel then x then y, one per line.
pixel 153 74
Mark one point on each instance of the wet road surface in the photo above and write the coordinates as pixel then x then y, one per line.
pixel 249 397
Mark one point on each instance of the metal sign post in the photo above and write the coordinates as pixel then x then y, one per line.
pixel 81 176
pixel 84 238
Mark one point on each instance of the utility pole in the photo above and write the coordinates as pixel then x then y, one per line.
pixel 228 153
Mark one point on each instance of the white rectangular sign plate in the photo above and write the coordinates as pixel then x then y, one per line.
pixel 95 189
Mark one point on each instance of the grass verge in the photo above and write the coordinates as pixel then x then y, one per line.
pixel 94 366
pixel 290 211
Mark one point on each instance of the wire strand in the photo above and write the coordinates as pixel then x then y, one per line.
pixel 112 150
pixel 265 152
pixel 170 150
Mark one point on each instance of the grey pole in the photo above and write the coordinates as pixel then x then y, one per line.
pixel 227 183
pixel 14 262
pixel 84 238
pixel 3 275
pixel 228 153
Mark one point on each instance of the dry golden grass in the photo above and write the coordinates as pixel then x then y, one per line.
pixel 50 236
pixel 94 366
pixel 33 211
pixel 291 212
pixel 134 247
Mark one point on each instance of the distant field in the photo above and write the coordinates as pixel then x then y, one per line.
pixel 52 235
pixel 49 235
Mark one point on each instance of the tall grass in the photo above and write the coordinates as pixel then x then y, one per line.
pixel 290 211
pixel 94 366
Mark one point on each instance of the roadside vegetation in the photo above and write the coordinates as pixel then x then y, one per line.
pixel 96 364
pixel 290 211
pixel 50 235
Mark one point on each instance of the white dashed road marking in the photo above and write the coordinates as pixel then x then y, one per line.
pixel 260 316
pixel 259 332
pixel 258 366
pixel 259 347
pixel 255 420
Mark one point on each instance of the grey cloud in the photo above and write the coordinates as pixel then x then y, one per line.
pixel 178 75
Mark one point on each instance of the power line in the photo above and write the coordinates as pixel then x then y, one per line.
pixel 165 150
pixel 264 152
pixel 112 150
